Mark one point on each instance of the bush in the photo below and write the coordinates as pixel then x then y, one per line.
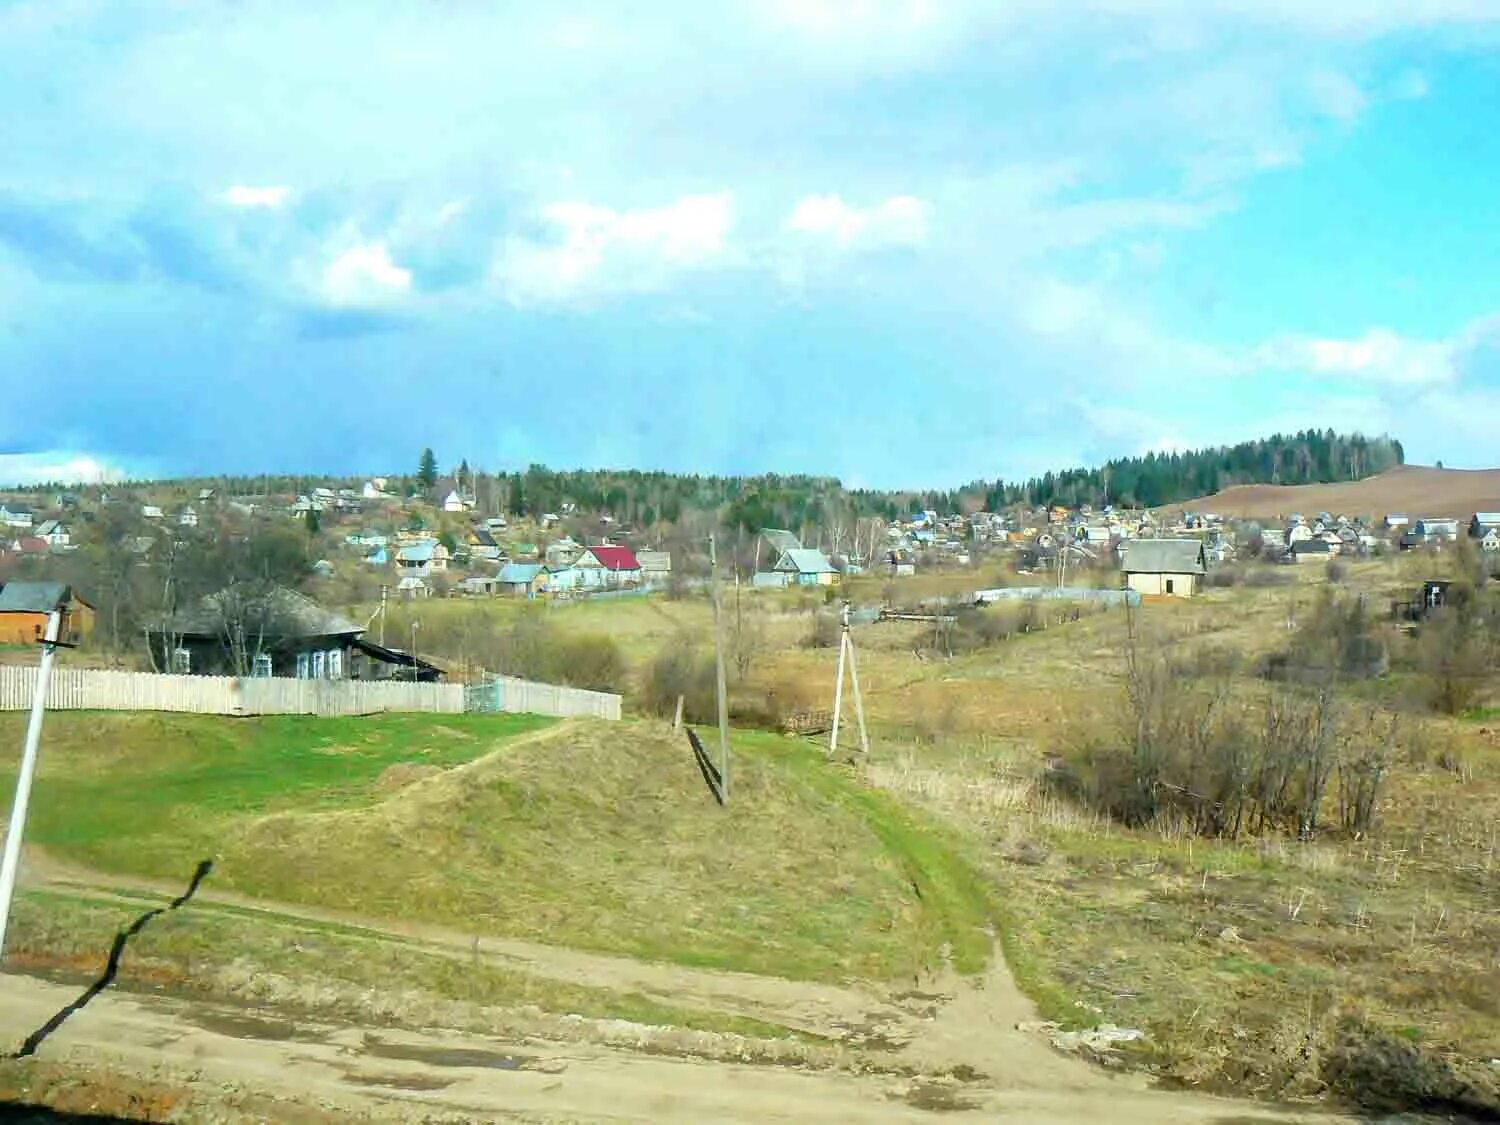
pixel 681 670
pixel 1223 576
pixel 1269 575
pixel 1336 571
pixel 825 632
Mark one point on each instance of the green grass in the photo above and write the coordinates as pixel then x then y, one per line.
pixel 151 793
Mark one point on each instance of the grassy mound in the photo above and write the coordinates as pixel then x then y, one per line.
pixel 592 834
pixel 603 835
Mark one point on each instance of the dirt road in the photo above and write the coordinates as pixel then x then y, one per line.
pixel 217 1056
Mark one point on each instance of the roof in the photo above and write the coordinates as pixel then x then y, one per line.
pixel 1164 556
pixel 481 536
pixel 394 655
pixel 33 597
pixel 1487 519
pixel 1312 547
pixel 31 544
pixel 417 552
pixel 287 614
pixel 519 572
pixel 50 527
pixel 615 558
pixel 781 540
pixel 804 560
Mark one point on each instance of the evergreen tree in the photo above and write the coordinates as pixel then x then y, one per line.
pixel 427 470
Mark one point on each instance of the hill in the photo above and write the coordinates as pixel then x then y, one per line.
pixel 1412 490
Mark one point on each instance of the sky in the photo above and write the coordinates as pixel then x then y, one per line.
pixel 906 243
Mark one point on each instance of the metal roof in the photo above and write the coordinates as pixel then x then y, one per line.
pixel 33 597
pixel 1164 556
pixel 804 560
pixel 519 572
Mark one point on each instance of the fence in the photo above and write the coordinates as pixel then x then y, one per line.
pixel 506 693
pixel 1057 593
pixel 94 689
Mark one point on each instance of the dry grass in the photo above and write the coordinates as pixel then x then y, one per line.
pixel 1412 490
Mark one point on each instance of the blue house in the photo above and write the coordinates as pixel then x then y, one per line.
pixel 525 580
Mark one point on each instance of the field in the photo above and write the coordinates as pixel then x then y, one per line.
pixel 514 876
pixel 1411 490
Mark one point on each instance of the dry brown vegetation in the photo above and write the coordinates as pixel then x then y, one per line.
pixel 1412 490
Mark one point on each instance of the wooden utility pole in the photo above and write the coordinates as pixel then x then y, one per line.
pixel 723 694
pixel 846 651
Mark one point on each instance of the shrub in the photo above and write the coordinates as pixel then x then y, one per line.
pixel 681 670
pixel 1336 571
pixel 825 632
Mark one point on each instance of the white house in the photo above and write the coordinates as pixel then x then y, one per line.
pixel 375 489
pixel 56 534
pixel 151 512
pixel 188 517
pixel 454 502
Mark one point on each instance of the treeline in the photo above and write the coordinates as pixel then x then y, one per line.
pixel 1157 479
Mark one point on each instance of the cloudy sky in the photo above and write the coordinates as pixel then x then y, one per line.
pixel 905 242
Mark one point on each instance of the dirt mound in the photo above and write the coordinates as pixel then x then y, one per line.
pixel 1412 490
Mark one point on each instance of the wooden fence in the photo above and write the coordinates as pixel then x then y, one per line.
pixel 506 693
pixel 99 690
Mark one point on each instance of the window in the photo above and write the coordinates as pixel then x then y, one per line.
pixel 304 666
pixel 318 659
pixel 335 664
pixel 263 665
pixel 1169 586
pixel 182 661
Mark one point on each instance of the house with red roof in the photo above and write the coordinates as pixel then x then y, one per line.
pixel 607 567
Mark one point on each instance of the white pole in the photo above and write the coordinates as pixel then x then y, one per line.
pixel 859 704
pixel 838 686
pixel 17 825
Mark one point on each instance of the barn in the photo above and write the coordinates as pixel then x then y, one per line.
pixel 25 607
pixel 1173 567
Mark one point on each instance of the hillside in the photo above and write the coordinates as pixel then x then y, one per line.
pixel 1412 490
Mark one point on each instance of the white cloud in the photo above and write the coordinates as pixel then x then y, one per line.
pixel 899 221
pixel 365 275
pixel 241 195
pixel 60 466
pixel 1338 96
pixel 595 249
pixel 1379 356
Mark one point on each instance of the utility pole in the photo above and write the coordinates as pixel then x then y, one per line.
pixel 723 700
pixel 12 860
pixel 846 650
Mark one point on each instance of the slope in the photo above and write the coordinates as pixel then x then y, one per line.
pixel 1412 490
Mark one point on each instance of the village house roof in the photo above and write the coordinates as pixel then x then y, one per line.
pixel 1311 547
pixel 519 572
pixel 615 558
pixel 804 560
pixel 1487 519
pixel 286 613
pixel 33 597
pixel 1164 556
pixel 781 540
pixel 32 545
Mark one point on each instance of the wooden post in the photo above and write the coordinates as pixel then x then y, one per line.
pixel 723 700
pixel 677 715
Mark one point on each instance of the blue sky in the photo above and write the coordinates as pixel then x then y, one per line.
pixel 906 242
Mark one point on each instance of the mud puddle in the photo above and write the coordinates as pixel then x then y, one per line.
pixel 457 1056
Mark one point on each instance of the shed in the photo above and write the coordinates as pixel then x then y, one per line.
pixel 525 580
pixel 1173 567
pixel 25 607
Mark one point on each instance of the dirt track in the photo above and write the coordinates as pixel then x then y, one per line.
pixel 214 1055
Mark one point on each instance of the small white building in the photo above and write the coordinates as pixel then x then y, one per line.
pixel 1169 567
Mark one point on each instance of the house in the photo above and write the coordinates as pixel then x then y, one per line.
pixel 1172 567
pixel 900 564
pixel 323 568
pixel 255 630
pixel 1394 520
pixel 562 552
pixel 206 495
pixel 1490 540
pixel 1484 522
pixel 1311 550
pixel 412 586
pixel 188 517
pixel 1439 528
pixel 806 567
pixel 26 606
pixel 1273 537
pixel 30 545
pixel 1298 532
pixel 608 567
pixel 656 567
pixel 421 558
pixel 375 489
pixel 455 502
pixel 522 580
pixel 482 544
pixel 152 512
pixel 15 515
pixel 56 534
pixel 770 580
pixel 479 585
pixel 561 579
pixel 525 550
pixel 378 556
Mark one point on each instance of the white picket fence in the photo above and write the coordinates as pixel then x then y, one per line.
pixel 98 690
